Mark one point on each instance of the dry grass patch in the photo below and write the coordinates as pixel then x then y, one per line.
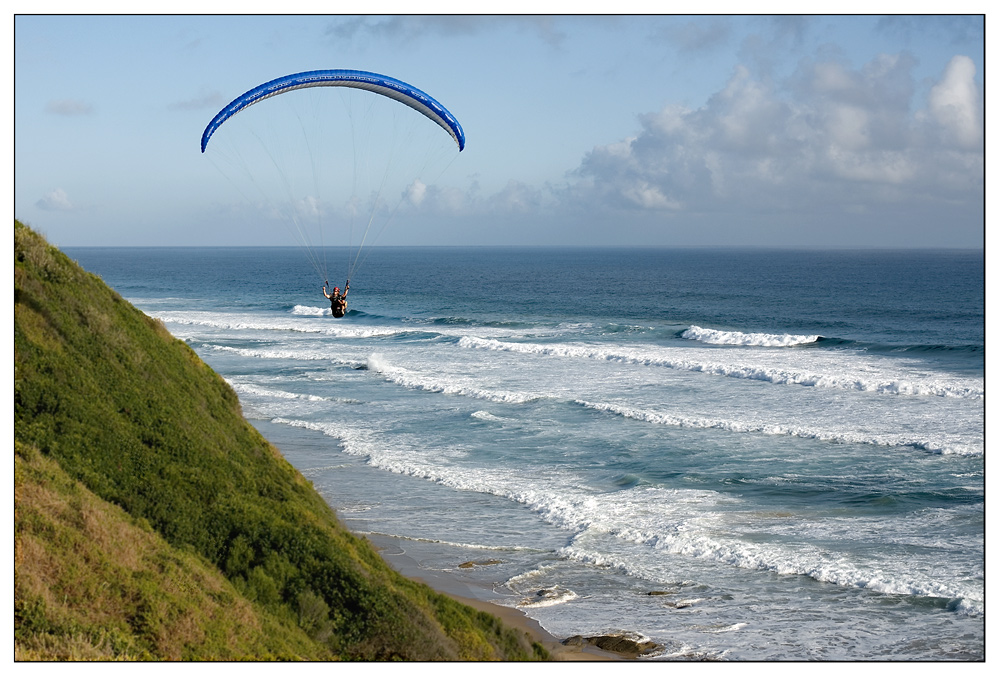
pixel 92 584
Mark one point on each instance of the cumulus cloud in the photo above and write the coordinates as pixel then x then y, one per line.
pixel 516 197
pixel 955 103
pixel 69 107
pixel 831 136
pixel 416 192
pixel 308 207
pixel 55 201
pixel 437 200
pixel 447 200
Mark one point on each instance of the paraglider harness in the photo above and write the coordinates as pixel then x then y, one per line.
pixel 338 301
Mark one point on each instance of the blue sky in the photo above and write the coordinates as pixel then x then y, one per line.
pixel 818 131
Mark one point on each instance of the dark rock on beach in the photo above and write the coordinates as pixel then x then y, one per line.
pixel 618 644
pixel 481 563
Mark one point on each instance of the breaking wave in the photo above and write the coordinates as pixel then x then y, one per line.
pixel 839 437
pixel 823 371
pixel 738 338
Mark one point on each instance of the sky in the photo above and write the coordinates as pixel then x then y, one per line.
pixel 664 130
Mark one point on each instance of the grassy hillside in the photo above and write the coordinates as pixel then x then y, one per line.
pixel 152 521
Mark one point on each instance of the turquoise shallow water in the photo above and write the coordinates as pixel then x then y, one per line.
pixel 787 447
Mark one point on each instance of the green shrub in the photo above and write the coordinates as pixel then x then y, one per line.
pixel 134 416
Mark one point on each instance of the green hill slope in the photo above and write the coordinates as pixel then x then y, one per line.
pixel 152 521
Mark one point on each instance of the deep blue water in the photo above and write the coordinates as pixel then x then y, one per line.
pixel 789 445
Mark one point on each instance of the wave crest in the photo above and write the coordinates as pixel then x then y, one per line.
pixel 839 437
pixel 771 368
pixel 310 311
pixel 739 338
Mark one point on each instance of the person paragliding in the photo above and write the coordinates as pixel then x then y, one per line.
pixel 338 301
pixel 301 203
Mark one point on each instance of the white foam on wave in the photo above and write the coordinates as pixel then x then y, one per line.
pixel 686 522
pixel 487 416
pixel 251 389
pixel 545 495
pixel 437 541
pixel 533 596
pixel 234 322
pixel 723 628
pixel 525 577
pixel 312 311
pixel 547 597
pixel 419 381
pixel 738 338
pixel 821 370
pixel 767 428
pixel 287 354
pixel 824 565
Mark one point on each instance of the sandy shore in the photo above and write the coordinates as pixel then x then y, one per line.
pixel 479 598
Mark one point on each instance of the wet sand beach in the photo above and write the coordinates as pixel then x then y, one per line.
pixel 479 598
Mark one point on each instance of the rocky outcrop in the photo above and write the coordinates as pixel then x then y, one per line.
pixel 623 645
pixel 479 563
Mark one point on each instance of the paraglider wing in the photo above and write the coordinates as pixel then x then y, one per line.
pixel 373 82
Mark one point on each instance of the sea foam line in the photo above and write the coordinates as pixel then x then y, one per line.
pixel 238 323
pixel 544 498
pixel 487 416
pixel 847 377
pixel 660 418
pixel 467 546
pixel 801 560
pixel 684 522
pixel 287 354
pixel 248 389
pixel 409 379
pixel 547 597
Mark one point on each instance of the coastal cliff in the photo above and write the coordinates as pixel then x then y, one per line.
pixel 153 522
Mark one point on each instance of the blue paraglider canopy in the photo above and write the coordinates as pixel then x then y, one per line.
pixel 373 82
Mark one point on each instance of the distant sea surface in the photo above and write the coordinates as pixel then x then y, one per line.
pixel 739 454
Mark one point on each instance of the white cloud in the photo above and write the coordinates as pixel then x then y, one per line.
pixel 885 167
pixel 955 103
pixel 650 197
pixel 416 192
pixel 55 201
pixel 517 197
pixel 450 200
pixel 829 138
pixel 308 207
pixel 437 200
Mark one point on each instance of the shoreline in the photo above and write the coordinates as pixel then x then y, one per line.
pixel 393 550
pixel 480 598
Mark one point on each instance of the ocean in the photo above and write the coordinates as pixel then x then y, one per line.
pixel 740 454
